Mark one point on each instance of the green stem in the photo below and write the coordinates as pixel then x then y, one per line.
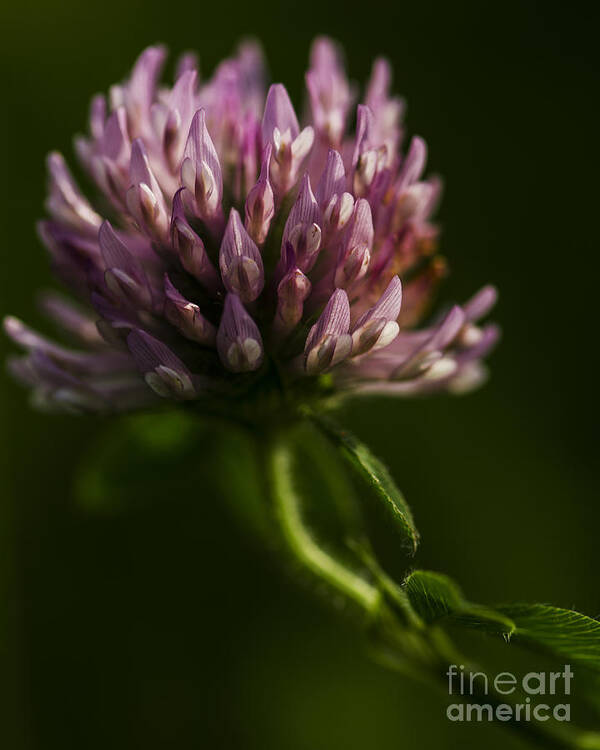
pixel 300 541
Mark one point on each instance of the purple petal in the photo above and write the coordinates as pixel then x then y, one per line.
pixel 240 261
pixel 355 253
pixel 251 65
pixel 201 169
pixel 448 329
pixel 388 305
pixel 476 343
pixel 379 84
pixel 239 342
pixel 190 247
pixel 302 232
pixel 144 77
pixel 186 316
pixel 386 111
pixel 390 302
pixel 163 371
pixel 364 126
pixel 414 163
pixel 54 388
pixel 144 198
pixel 360 228
pixel 176 117
pixel 325 55
pixel 418 201
pixel 469 377
pixel 292 291
pixel 377 328
pixel 429 350
pixel 77 362
pixel 65 201
pixel 333 179
pixel 182 97
pixel 290 146
pixel 97 116
pixel 115 253
pixel 69 317
pixel 187 62
pixel 328 341
pixel 481 303
pixel 116 144
pixel 305 210
pixel 279 113
pixel 260 204
pixel 329 91
pixel 124 275
pixel 139 169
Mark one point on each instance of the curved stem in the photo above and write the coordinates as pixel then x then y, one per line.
pixel 300 540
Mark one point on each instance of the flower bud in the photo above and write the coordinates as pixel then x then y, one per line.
pixel 292 291
pixel 240 261
pixel 144 198
pixel 260 204
pixel 302 233
pixel 201 170
pixel 355 252
pixel 333 179
pixel 65 202
pixel 186 316
pixel 328 341
pixel 290 146
pixel 239 342
pixel 190 247
pixel 378 327
pixel 163 371
pixel 329 91
pixel 178 118
pixel 124 274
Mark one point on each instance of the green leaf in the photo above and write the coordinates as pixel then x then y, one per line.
pixel 436 597
pixel 374 475
pixel 562 632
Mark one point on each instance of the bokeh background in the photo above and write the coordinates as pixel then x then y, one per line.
pixel 162 625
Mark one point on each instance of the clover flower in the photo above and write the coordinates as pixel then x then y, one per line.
pixel 228 246
pixel 234 260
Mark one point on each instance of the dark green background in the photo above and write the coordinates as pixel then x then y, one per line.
pixel 163 627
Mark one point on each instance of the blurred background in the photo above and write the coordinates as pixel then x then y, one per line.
pixel 162 625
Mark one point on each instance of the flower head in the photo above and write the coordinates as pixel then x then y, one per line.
pixel 231 244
